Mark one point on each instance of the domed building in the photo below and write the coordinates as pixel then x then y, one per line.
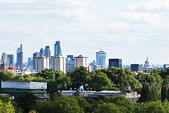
pixel 147 63
pixel 147 66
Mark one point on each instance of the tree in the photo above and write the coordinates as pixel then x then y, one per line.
pixel 26 102
pixel 6 107
pixel 59 105
pixel 165 89
pixel 48 74
pixel 107 108
pixel 6 75
pixel 79 77
pixel 99 81
pixel 122 78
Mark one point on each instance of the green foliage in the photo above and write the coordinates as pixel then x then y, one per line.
pixel 79 77
pixel 61 83
pixel 107 108
pixel 151 90
pixel 26 102
pixel 99 81
pixel 165 89
pixel 6 75
pixel 122 78
pixel 6 105
pixel 59 105
pixel 150 107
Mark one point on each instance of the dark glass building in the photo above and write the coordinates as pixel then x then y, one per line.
pixel 57 49
pixel 136 67
pixel 41 52
pixel 47 52
pixel 117 63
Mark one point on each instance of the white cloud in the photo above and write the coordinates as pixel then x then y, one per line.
pixel 150 5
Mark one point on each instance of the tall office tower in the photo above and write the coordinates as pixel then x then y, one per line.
pixel 81 61
pixel 57 49
pixel 19 62
pixel 117 63
pixel 47 52
pixel 136 67
pixel 41 63
pixel 41 52
pixel 30 63
pixel 34 56
pixel 101 59
pixel 4 58
pixel 59 63
pixel 70 63
pixel 10 60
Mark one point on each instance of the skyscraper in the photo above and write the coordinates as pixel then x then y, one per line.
pixel 34 56
pixel 101 59
pixel 41 52
pixel 19 63
pixel 10 60
pixel 4 58
pixel 57 49
pixel 30 63
pixel 117 63
pixel 47 52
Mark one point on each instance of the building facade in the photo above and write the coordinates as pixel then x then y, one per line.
pixel 101 59
pixel 117 63
pixel 70 63
pixel 19 63
pixel 41 52
pixel 81 61
pixel 4 58
pixel 136 67
pixel 35 55
pixel 41 63
pixel 59 63
pixel 57 49
pixel 10 60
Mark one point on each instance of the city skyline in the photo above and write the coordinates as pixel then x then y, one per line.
pixel 130 30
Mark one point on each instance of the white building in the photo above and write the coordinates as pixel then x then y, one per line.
pixel 81 61
pixel 59 63
pixel 41 63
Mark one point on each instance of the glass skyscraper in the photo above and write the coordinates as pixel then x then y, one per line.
pixel 41 52
pixel 19 63
pixel 10 60
pixel 57 49
pixel 47 52
pixel 101 59
pixel 117 63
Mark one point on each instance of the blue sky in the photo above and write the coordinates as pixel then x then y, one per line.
pixel 127 29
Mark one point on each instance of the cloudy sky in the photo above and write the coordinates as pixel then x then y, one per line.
pixel 127 29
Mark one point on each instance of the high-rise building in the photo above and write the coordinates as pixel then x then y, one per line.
pixel 117 63
pixel 57 49
pixel 81 61
pixel 10 60
pixel 30 63
pixel 47 52
pixel 19 63
pixel 136 67
pixel 70 63
pixel 4 58
pixel 101 59
pixel 59 63
pixel 41 52
pixel 41 63
pixel 34 56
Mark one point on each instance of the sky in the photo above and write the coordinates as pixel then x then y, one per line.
pixel 129 29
